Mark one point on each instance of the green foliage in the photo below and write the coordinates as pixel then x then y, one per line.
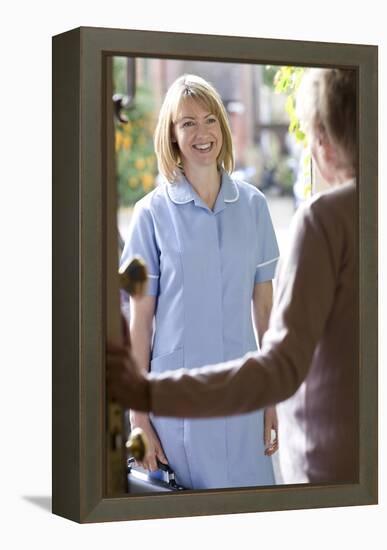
pixel 284 175
pixel 287 81
pixel 306 174
pixel 136 166
pixel 268 75
pixel 120 74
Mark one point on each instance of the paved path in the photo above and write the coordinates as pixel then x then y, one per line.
pixel 281 211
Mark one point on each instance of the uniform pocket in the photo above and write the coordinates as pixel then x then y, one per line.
pixel 168 361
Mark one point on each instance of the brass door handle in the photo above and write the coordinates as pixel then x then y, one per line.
pixel 137 444
pixel 134 277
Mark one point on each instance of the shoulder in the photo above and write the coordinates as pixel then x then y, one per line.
pixel 152 201
pixel 248 192
pixel 338 195
pixel 330 215
pixel 336 203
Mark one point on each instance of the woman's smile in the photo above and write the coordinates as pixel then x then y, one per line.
pixel 204 147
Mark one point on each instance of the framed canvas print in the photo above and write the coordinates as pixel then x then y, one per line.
pixel 109 88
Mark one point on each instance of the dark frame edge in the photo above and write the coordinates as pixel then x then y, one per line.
pixel 66 271
pixel 208 503
pixel 368 270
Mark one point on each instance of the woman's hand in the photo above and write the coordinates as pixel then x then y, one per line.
pixel 155 450
pixel 270 423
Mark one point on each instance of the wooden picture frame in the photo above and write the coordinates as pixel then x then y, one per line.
pixel 79 272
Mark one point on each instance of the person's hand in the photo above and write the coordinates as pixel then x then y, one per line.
pixel 126 383
pixel 270 423
pixel 154 448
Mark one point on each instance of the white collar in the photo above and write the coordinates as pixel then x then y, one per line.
pixel 182 192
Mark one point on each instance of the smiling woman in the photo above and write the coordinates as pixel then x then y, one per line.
pixel 192 233
pixel 192 110
pixel 198 135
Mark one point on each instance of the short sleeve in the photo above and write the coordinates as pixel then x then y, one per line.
pixel 267 250
pixel 141 242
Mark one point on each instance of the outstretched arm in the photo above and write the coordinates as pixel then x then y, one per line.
pixel 303 301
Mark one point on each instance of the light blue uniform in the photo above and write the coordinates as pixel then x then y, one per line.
pixel 203 265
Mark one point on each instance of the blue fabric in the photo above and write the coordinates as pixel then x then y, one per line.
pixel 203 265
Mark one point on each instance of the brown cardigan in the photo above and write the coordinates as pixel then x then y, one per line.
pixel 312 336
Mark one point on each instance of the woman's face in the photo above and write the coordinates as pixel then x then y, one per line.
pixel 198 135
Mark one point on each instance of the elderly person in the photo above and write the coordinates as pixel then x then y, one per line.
pixel 312 336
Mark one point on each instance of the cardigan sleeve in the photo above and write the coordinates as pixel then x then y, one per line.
pixel 303 300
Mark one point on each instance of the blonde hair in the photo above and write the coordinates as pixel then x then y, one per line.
pixel 326 102
pixel 167 152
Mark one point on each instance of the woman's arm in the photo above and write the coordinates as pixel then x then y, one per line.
pixel 141 328
pixel 304 297
pixel 262 304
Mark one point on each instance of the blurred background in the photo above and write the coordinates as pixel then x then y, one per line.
pixel 270 149
pixel 271 152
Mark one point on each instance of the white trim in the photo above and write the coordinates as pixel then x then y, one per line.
pixel 173 199
pixel 180 202
pixel 269 262
pixel 153 276
pixel 237 193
